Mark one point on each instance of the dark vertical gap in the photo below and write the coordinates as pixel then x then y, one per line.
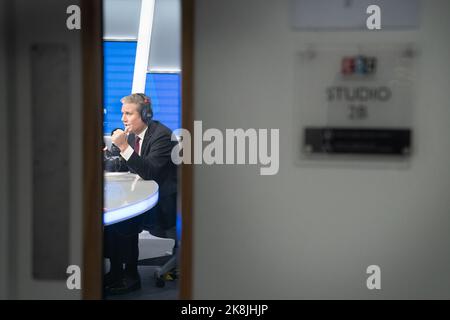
pixel 12 141
pixel 92 119
pixel 187 25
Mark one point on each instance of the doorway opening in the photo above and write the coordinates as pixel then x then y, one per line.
pixel 136 61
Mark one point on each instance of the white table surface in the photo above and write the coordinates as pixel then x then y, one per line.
pixel 126 196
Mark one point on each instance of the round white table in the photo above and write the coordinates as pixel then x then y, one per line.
pixel 126 196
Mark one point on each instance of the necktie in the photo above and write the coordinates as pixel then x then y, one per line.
pixel 136 144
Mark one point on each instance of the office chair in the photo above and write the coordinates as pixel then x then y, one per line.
pixel 158 248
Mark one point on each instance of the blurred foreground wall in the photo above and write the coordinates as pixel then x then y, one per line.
pixel 41 202
pixel 312 230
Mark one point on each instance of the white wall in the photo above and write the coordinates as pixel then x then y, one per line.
pixel 121 22
pixel 165 52
pixel 311 231
pixel 39 22
pixel 121 19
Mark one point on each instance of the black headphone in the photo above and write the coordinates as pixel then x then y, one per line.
pixel 146 109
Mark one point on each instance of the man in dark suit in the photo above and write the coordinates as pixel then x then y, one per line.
pixel 146 146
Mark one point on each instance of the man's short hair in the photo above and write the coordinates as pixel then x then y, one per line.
pixel 143 103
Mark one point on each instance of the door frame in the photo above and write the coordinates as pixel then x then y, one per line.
pixel 92 121
pixel 187 193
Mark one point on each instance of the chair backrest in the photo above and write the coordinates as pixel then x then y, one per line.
pixel 151 246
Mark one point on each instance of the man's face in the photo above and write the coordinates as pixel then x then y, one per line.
pixel 131 118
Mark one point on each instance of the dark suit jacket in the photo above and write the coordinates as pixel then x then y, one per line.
pixel 155 161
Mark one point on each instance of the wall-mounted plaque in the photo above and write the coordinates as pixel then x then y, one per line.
pixel 357 140
pixel 356 99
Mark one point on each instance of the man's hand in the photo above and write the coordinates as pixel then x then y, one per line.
pixel 119 138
